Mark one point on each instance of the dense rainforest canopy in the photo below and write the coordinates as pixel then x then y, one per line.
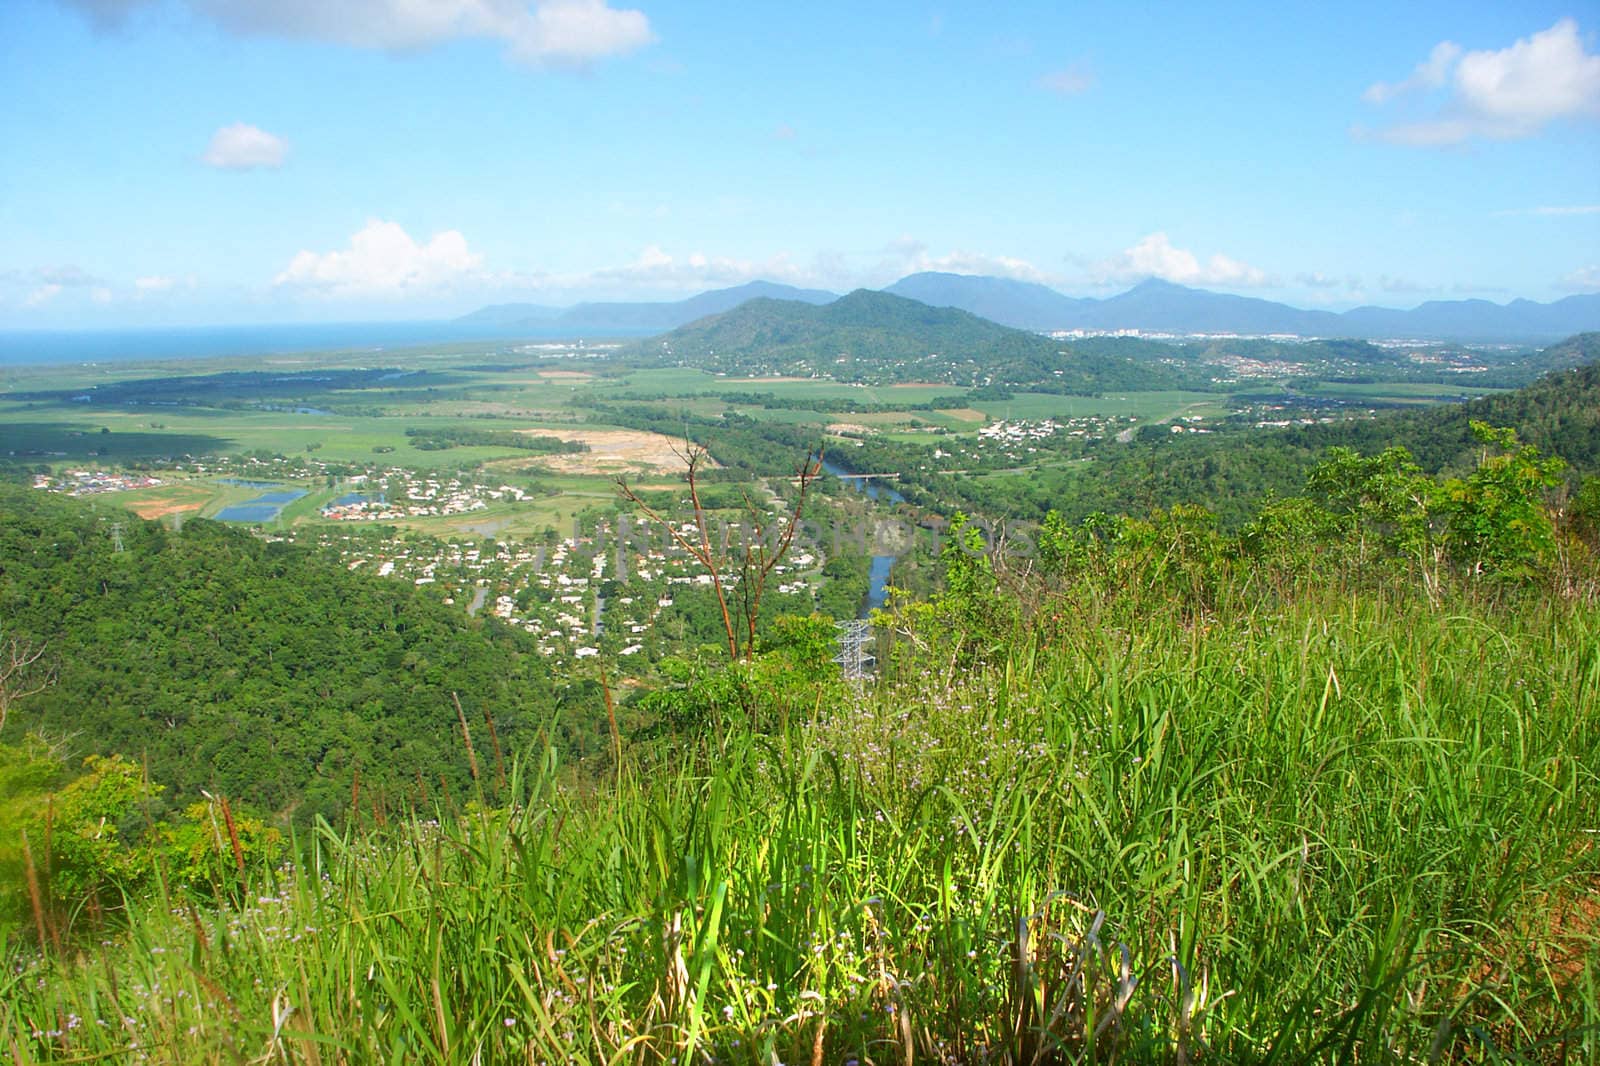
pixel 248 668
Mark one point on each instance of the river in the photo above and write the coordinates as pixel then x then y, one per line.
pixel 878 573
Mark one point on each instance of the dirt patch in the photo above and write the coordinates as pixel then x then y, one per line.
pixel 150 509
pixel 849 429
pixel 1574 929
pixel 565 375
pixel 613 451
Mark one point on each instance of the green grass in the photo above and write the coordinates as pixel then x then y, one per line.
pixel 1338 830
pixel 680 382
pixel 1146 406
pixel 1407 392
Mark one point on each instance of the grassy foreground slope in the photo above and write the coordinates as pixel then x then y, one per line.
pixel 1326 790
pixel 1337 825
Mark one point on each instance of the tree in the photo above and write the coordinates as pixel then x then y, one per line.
pixel 1385 497
pixel 1497 522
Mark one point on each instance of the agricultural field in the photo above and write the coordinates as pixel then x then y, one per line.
pixel 1144 406
pixel 55 417
pixel 320 420
pixel 1396 393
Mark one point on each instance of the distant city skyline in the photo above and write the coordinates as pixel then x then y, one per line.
pixel 232 161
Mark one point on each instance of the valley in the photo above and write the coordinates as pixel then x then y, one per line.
pixel 320 600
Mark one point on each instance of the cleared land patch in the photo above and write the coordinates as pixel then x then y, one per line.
pixel 614 450
pixel 167 500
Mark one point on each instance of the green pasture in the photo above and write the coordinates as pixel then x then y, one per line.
pixel 681 382
pixel 1145 406
pixel 80 433
pixel 1397 392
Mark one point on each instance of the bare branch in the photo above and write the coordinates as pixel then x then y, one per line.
pixel 755 564
pixel 23 672
pixel 692 455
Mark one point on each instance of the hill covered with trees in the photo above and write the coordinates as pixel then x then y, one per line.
pixel 251 669
pixel 877 337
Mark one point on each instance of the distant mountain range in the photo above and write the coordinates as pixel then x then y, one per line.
pixel 1154 305
pixel 635 317
pixel 1161 306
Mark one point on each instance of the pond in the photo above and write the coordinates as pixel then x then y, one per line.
pixel 263 508
pixel 355 497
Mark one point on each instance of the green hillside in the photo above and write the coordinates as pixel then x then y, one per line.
pixel 250 669
pixel 880 338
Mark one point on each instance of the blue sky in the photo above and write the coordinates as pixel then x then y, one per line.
pixel 215 161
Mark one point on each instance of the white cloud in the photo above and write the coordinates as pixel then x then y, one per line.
pixel 783 132
pixel 657 269
pixel 1430 74
pixel 383 260
pixel 657 272
pixel 1403 285
pixel 907 255
pixel 1497 95
pixel 1155 257
pixel 242 146
pixel 68 276
pixel 1554 211
pixel 106 14
pixel 42 295
pixel 1585 279
pixel 50 282
pixel 1069 81
pixel 152 284
pixel 578 30
pixel 545 31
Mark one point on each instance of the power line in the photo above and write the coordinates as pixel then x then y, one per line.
pixel 854 660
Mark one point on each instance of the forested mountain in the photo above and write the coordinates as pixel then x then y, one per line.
pixel 877 337
pixel 251 669
pixel 1569 354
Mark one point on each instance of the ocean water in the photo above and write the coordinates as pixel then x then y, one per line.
pixel 45 347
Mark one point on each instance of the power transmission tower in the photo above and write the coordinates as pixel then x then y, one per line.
pixel 854 660
pixel 116 537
